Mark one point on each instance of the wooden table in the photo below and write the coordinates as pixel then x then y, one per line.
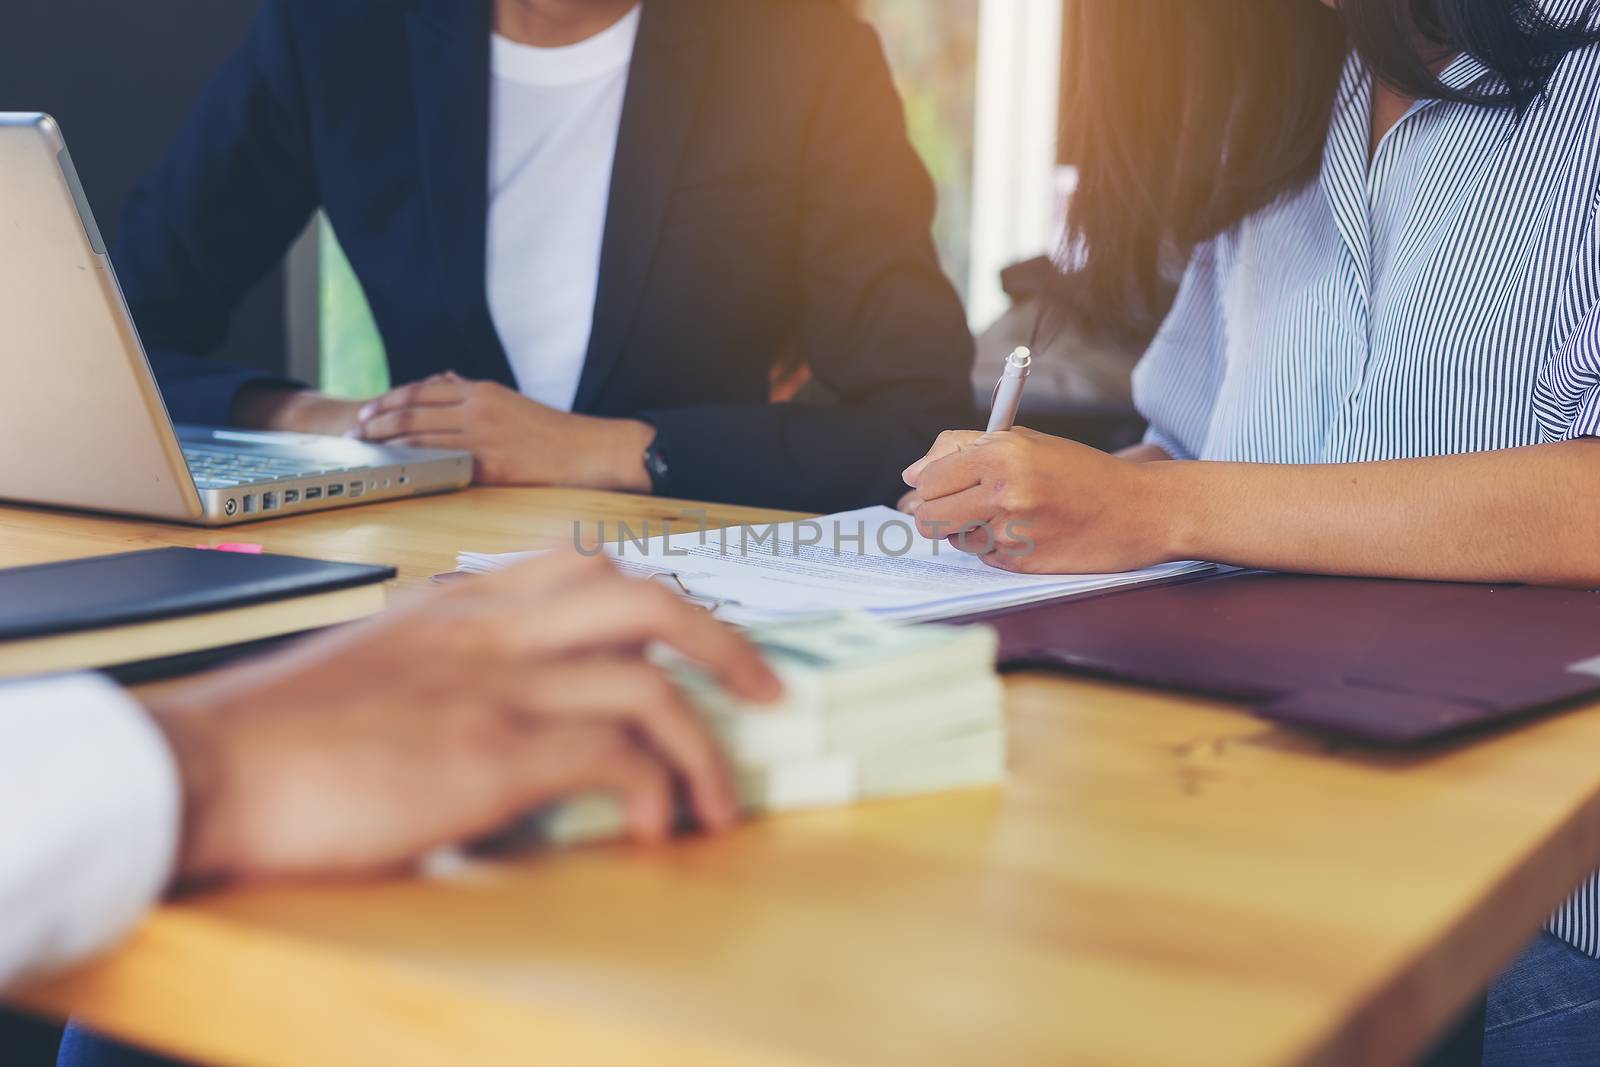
pixel 1164 881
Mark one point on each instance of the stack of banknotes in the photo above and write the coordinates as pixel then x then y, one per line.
pixel 871 710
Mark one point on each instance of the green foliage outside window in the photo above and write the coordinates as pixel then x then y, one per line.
pixel 353 360
pixel 933 49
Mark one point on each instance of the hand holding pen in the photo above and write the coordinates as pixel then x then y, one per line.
pixel 1008 391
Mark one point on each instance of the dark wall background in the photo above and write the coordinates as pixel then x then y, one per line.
pixel 120 77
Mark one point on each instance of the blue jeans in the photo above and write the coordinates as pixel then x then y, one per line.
pixel 83 1048
pixel 1544 1010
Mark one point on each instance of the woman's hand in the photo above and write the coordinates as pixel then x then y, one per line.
pixel 445 719
pixel 1028 502
pixel 513 440
pixel 1513 515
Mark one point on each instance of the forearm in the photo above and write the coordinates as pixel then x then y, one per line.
pixel 1519 515
pixel 267 406
pixel 277 406
pixel 611 454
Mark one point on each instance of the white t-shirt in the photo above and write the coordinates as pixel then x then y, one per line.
pixel 555 113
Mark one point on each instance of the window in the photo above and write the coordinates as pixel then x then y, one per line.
pixel 933 49
pixel 982 81
pixel 1016 212
pixel 353 359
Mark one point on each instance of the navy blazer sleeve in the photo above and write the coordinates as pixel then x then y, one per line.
pixel 232 194
pixel 881 326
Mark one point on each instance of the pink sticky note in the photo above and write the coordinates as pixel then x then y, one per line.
pixel 239 547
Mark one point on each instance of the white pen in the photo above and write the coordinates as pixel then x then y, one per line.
pixel 1008 391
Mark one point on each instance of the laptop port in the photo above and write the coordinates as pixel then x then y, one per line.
pixel 269 501
pixel 249 503
pixel 313 493
pixel 336 489
pixel 357 488
pixel 291 496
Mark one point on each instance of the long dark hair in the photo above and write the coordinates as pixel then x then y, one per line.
pixel 1185 117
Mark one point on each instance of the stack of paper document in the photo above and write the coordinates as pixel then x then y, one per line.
pixel 870 710
pixel 872 561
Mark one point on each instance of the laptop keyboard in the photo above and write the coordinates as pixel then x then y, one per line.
pixel 220 468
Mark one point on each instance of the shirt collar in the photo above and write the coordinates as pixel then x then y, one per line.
pixel 1465 71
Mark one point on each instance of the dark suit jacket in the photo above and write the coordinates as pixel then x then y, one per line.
pixel 764 195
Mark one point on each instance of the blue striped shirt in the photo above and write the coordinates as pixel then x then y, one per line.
pixel 1440 295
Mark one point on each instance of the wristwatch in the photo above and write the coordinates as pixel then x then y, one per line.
pixel 655 465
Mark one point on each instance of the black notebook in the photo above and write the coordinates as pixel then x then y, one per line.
pixel 156 612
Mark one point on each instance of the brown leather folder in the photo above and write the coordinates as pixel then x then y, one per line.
pixel 1388 662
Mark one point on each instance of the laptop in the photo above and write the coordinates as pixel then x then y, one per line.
pixel 82 422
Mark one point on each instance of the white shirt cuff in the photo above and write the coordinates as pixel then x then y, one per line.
pixel 90 813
